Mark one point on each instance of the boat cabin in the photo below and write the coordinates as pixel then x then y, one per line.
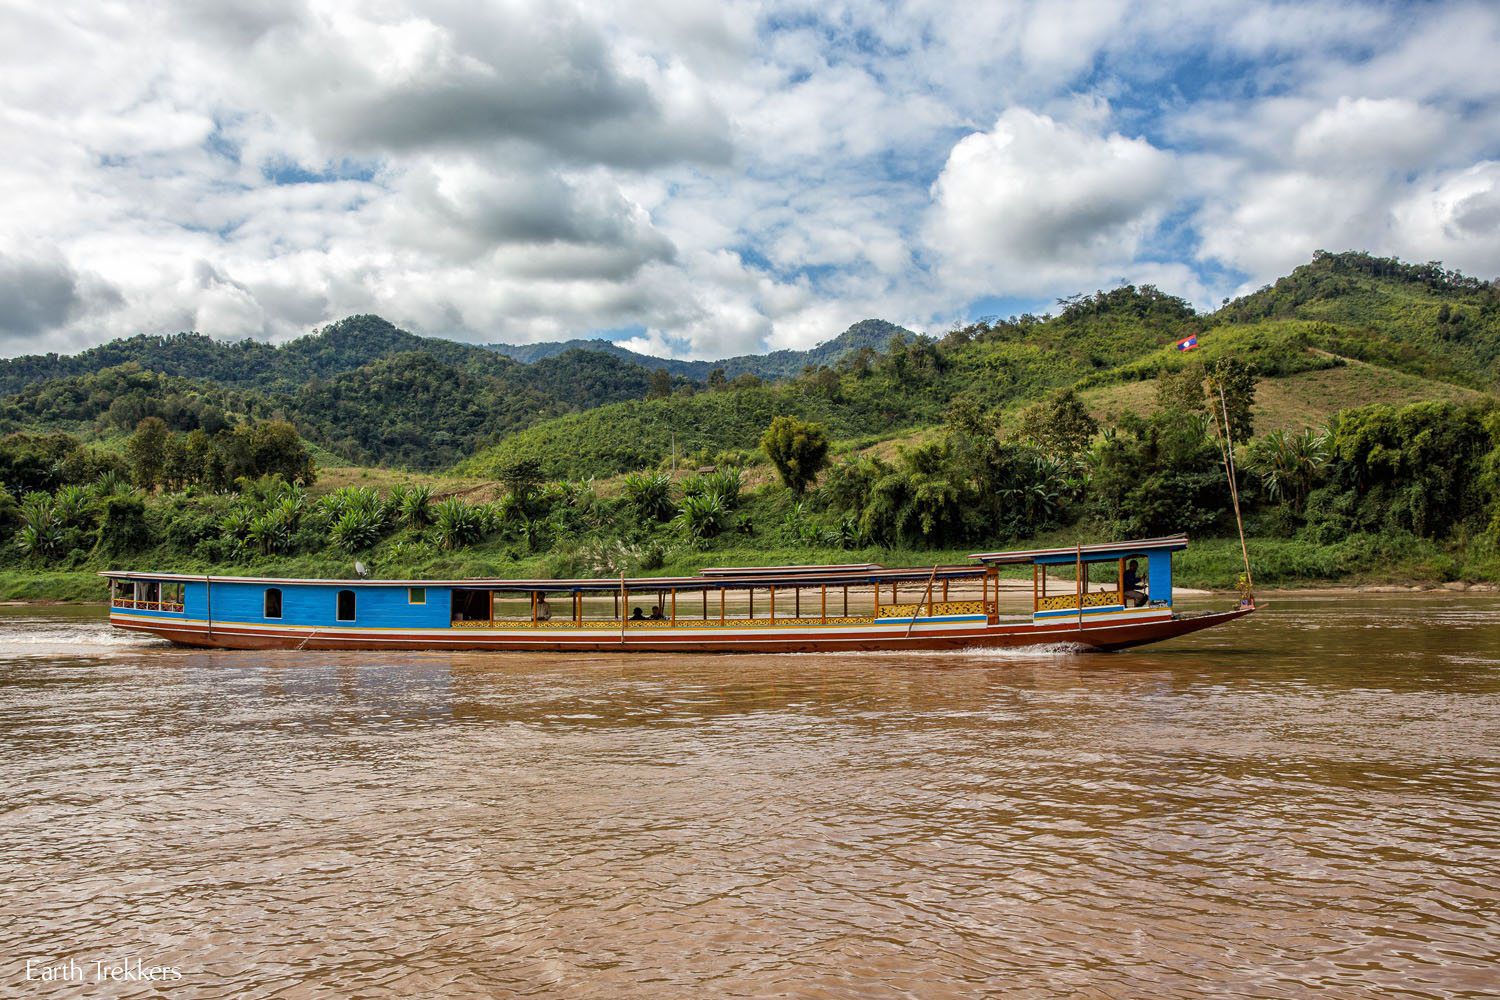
pixel 1096 580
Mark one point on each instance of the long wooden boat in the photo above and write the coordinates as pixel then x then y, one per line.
pixel 1075 595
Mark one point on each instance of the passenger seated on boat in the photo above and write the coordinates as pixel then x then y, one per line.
pixel 543 609
pixel 1135 597
pixel 636 615
pixel 656 615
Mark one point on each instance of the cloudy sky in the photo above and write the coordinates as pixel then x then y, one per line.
pixel 709 178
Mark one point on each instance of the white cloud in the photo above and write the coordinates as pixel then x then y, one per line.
pixel 726 174
pixel 1454 217
pixel 1033 202
pixel 1366 133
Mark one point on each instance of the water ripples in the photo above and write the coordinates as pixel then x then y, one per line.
pixel 1305 802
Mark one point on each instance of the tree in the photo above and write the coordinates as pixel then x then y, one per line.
pixel 147 452
pixel 717 379
pixel 799 451
pixel 269 448
pixel 521 478
pixel 1230 386
pixel 1059 426
pixel 1180 390
pixel 659 384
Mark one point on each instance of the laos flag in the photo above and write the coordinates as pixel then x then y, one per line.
pixel 1188 343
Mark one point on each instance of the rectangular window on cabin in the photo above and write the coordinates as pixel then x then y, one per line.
pixel 346 606
pixel 416 595
pixel 150 592
pixel 124 590
pixel 273 603
pixel 470 605
pixel 597 606
pixel 171 593
pixel 511 606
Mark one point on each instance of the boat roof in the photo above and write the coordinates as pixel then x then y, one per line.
pixel 1068 553
pixel 718 577
pixel 726 576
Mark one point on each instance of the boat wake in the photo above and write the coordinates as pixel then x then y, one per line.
pixel 1042 650
pixel 25 638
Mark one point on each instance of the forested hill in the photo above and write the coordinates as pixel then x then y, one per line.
pixel 1420 318
pixel 1343 329
pixel 874 334
pixel 359 340
pixel 339 347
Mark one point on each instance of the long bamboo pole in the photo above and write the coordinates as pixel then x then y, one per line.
pixel 926 598
pixel 1234 493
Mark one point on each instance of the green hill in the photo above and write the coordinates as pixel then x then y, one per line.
pixel 1417 318
pixel 1344 330
pixel 339 347
pixel 361 387
pixel 375 394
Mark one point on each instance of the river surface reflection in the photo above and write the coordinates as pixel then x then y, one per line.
pixel 1306 799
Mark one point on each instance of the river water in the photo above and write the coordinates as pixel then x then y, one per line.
pixel 1306 799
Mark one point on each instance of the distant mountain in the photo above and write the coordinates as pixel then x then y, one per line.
pixel 872 333
pixel 339 347
pixel 379 394
pixel 361 387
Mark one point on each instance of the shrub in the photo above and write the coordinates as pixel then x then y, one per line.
pixel 456 524
pixel 649 495
pixel 702 516
pixel 414 506
pixel 123 526
pixel 356 529
pixel 799 450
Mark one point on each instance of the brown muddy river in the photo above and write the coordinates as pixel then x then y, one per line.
pixel 1305 801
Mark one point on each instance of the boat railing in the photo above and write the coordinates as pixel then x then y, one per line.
pixel 1069 602
pixel 931 609
pixel 120 602
pixel 935 609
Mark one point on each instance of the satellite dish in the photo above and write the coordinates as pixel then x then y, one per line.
pixel 361 570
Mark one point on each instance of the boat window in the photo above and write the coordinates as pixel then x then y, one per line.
pixel 273 603
pixel 799 602
pixel 346 606
pixel 511 606
pixel 149 592
pixel 416 595
pixel 124 590
pixel 693 606
pixel 598 606
pixel 171 593
pixel 470 605
pixel 857 599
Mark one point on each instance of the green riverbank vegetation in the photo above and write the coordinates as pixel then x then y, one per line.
pixel 1379 494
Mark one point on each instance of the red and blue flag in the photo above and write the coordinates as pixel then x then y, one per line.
pixel 1188 343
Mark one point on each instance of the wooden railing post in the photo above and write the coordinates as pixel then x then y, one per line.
pixel 1080 587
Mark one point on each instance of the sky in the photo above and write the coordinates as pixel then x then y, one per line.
pixel 709 179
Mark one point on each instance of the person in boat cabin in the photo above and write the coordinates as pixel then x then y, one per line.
pixel 636 615
pixel 543 609
pixel 1134 596
pixel 656 615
